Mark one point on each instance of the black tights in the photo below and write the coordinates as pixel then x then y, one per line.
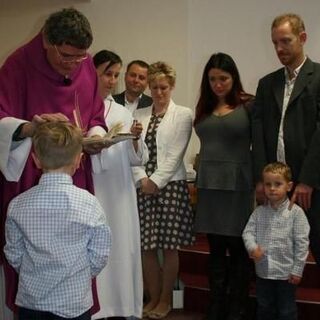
pixel 229 277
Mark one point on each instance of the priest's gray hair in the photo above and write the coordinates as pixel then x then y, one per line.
pixel 68 26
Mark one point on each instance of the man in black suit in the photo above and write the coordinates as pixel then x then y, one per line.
pixel 136 83
pixel 286 120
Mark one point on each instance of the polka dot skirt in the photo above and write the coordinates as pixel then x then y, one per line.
pixel 166 220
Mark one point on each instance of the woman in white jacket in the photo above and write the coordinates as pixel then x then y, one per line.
pixel 166 217
pixel 119 285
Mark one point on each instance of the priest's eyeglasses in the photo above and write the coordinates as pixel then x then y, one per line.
pixel 68 58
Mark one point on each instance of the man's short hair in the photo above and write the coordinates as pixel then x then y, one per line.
pixel 56 144
pixel 140 63
pixel 295 21
pixel 278 168
pixel 68 26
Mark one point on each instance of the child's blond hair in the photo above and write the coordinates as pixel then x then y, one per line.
pixel 56 144
pixel 278 168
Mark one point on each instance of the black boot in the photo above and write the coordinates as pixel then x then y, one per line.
pixel 239 281
pixel 217 282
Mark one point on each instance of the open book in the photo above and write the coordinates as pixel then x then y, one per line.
pixel 111 137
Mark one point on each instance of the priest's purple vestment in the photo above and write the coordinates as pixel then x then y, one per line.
pixel 29 86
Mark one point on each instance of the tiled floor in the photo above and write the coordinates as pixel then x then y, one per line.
pixel 175 315
pixel 184 315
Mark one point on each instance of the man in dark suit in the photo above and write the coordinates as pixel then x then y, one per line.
pixel 286 119
pixel 136 83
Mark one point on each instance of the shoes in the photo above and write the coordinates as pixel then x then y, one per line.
pixel 145 313
pixel 147 309
pixel 159 315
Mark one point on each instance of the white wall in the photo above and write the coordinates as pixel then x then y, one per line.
pixel 182 32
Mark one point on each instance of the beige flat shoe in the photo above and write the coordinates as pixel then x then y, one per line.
pixel 159 315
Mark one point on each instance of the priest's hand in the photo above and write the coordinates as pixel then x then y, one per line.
pixel 29 127
pixel 52 117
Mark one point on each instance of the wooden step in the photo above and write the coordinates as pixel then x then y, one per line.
pixel 305 295
pixel 197 300
pixel 193 274
pixel 196 263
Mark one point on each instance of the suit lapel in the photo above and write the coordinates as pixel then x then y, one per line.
pixel 123 99
pixel 302 80
pixel 278 87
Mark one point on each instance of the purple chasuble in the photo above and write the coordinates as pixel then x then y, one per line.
pixel 29 86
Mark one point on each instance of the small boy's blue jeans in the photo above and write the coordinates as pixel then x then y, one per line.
pixel 275 300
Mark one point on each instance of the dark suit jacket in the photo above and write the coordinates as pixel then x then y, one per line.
pixel 301 123
pixel 145 101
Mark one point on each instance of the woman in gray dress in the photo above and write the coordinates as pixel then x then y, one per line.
pixel 224 183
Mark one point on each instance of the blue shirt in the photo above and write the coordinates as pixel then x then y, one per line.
pixel 283 235
pixel 57 240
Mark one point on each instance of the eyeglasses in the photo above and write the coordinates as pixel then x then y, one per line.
pixel 67 58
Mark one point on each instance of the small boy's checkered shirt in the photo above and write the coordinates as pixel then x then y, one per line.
pixel 283 235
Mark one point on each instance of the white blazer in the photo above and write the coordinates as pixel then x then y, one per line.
pixel 172 139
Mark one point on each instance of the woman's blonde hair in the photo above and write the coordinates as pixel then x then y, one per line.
pixel 56 144
pixel 160 70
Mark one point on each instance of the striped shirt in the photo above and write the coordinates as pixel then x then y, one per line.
pixel 283 235
pixel 57 240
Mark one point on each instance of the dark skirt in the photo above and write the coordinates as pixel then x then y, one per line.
pixel 223 212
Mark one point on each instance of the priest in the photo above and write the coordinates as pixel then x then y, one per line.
pixel 51 78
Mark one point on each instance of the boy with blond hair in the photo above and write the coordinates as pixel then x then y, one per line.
pixel 56 234
pixel 276 237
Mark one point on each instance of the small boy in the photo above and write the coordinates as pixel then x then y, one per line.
pixel 276 237
pixel 56 233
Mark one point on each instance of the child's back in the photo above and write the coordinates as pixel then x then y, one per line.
pixel 57 240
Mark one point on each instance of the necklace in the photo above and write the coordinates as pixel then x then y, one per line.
pixel 222 111
pixel 160 113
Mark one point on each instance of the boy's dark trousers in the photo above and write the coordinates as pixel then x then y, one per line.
pixel 276 300
pixel 28 314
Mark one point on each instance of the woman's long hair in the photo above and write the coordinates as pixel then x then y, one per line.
pixel 208 100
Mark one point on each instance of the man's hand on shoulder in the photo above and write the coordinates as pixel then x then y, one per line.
pixel 302 196
pixel 260 195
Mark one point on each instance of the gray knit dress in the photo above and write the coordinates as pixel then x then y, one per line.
pixel 224 180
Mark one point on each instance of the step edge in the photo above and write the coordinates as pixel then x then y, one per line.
pixel 252 295
pixel 207 253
